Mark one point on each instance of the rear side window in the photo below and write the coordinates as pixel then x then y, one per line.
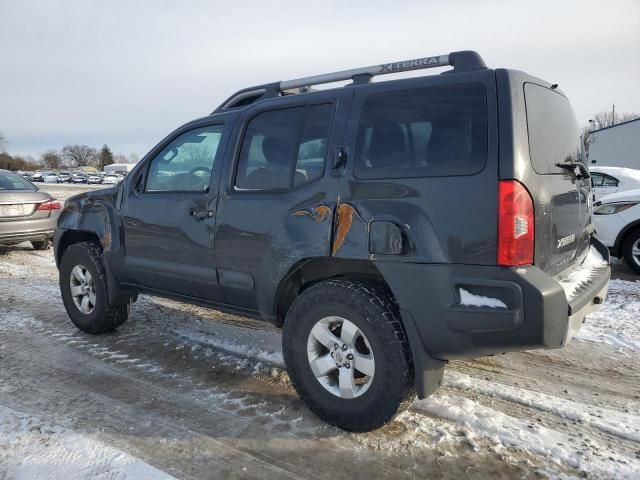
pixel 12 181
pixel 554 136
pixel 284 148
pixel 426 132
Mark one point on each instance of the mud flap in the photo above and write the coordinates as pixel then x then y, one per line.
pixel 116 295
pixel 428 371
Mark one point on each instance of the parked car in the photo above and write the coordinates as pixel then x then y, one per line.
pixel 36 177
pixel 388 227
pixel 94 178
pixel 79 178
pixel 26 213
pixel 50 177
pixel 617 222
pixel 64 177
pixel 608 180
pixel 111 179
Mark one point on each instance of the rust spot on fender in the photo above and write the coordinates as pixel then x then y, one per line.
pixel 106 240
pixel 319 214
pixel 344 221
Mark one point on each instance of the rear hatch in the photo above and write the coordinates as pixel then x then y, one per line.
pixel 561 194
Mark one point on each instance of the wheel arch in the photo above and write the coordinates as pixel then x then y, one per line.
pixel 310 271
pixel 617 246
pixel 70 237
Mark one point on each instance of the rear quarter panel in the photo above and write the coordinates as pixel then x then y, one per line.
pixel 445 219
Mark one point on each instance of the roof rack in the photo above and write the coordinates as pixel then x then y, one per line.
pixel 460 61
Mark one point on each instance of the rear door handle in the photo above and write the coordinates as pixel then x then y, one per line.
pixel 202 214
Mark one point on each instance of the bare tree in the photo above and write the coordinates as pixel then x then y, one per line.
pixel 80 155
pixel 608 119
pixel 51 159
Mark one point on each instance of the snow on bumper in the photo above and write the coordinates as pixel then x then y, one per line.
pixel 586 288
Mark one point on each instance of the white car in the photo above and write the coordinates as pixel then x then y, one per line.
pixel 111 179
pixel 50 177
pixel 608 180
pixel 617 221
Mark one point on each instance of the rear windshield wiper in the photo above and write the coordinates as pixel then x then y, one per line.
pixel 584 171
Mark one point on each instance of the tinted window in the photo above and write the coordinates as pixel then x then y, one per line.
pixel 284 148
pixel 185 164
pixel 12 181
pixel 432 131
pixel 608 181
pixel 596 179
pixel 554 136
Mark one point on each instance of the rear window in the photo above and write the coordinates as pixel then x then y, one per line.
pixel 554 136
pixel 425 132
pixel 12 181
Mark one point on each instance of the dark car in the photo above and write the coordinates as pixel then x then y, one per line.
pixel 387 227
pixel 26 213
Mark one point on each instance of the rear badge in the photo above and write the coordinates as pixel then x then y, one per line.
pixel 566 240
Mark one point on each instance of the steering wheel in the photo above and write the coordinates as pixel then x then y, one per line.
pixel 200 169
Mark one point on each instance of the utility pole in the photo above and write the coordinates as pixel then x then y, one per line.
pixel 613 115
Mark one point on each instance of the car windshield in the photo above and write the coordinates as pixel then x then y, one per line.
pixel 11 181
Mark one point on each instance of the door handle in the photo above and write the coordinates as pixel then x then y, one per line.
pixel 202 214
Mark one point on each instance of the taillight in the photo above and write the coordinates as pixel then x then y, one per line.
pixel 515 224
pixel 52 204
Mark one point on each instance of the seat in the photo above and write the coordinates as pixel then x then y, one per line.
pixel 277 174
pixel 387 146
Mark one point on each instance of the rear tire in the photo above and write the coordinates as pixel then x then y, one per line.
pixel 41 244
pixel 631 251
pixel 349 310
pixel 84 290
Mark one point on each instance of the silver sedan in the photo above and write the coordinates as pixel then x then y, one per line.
pixel 26 213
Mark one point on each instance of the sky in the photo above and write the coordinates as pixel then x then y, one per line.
pixel 126 73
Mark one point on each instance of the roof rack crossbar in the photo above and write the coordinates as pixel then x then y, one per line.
pixel 460 61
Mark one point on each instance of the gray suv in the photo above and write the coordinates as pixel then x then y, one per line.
pixel 388 227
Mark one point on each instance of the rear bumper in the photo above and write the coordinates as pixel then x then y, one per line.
pixel 31 229
pixel 539 312
pixel 26 236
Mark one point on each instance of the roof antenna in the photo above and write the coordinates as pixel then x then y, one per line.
pixel 554 86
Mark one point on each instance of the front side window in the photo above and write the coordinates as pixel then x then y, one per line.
pixel 185 165
pixel 284 148
pixel 596 179
pixel 432 131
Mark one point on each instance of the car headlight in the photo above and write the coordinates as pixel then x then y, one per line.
pixel 609 208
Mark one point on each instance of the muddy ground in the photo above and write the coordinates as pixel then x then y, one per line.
pixel 200 394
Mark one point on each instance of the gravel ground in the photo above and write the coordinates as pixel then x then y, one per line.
pixel 190 392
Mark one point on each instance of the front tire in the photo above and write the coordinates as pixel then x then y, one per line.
pixel 347 354
pixel 84 290
pixel 631 251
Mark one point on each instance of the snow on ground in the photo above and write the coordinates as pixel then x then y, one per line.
pixel 597 439
pixel 621 424
pixel 506 430
pixel 31 448
pixel 618 321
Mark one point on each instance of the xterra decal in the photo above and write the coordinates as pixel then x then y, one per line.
pixel 566 240
pixel 409 64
